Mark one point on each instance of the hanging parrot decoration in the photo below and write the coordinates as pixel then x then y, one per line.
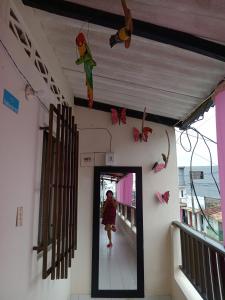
pixel 162 163
pixel 123 34
pixel 89 63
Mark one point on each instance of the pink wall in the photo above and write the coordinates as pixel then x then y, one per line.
pixel 220 125
pixel 124 189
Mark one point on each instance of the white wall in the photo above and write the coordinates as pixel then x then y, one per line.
pixel 157 218
pixel 20 160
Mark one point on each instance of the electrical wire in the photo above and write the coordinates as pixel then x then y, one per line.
pixel 195 136
pixel 210 155
pixel 23 76
pixel 189 141
pixel 194 190
pixel 41 102
pixel 202 157
pixel 101 128
pixel 191 174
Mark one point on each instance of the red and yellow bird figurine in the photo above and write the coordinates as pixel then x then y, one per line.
pixel 123 34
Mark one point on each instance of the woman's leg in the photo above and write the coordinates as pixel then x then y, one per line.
pixel 109 234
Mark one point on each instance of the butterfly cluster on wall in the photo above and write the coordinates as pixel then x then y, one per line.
pixel 119 116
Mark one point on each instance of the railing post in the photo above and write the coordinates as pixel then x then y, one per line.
pixel 132 216
pixel 125 212
pixel 220 125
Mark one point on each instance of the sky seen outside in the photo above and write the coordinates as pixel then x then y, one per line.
pixel 207 126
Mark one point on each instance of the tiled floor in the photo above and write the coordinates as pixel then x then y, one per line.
pixel 88 297
pixel 117 265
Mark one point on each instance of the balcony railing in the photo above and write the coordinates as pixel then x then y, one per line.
pixel 203 262
pixel 128 213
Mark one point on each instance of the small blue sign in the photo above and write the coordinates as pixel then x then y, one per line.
pixel 10 101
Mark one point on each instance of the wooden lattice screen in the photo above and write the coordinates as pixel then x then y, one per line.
pixel 59 194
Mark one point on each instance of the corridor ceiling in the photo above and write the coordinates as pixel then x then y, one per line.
pixel 168 80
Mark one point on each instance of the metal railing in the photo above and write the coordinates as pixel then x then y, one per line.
pixel 203 262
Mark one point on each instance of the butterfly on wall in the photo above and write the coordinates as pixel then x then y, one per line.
pixel 118 116
pixel 163 198
pixel 142 135
pixel 162 163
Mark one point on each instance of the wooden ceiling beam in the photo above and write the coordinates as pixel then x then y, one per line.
pixel 142 29
pixel 129 112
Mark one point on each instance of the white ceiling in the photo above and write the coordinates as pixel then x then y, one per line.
pixel 167 80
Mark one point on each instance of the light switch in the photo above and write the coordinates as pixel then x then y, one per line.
pixel 19 216
pixel 109 158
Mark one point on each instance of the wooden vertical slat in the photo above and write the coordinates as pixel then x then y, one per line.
pixel 220 270
pixel 211 274
pixel 47 181
pixel 60 199
pixel 71 191
pixel 76 185
pixel 204 269
pixel 188 254
pixel 64 196
pixel 221 264
pixel 43 170
pixel 217 279
pixel 198 266
pixel 209 289
pixel 55 203
pixel 201 269
pixel 193 261
pixel 68 124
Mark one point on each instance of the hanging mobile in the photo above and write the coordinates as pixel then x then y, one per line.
pixel 89 63
pixel 123 35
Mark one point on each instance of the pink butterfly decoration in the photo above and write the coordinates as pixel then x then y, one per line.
pixel 163 198
pixel 158 167
pixel 118 116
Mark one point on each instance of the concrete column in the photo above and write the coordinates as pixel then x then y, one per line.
pixel 220 128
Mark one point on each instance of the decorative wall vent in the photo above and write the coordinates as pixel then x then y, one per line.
pixel 21 35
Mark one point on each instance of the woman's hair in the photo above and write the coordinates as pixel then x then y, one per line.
pixel 109 191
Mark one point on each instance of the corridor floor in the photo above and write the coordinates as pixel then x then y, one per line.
pixel 117 265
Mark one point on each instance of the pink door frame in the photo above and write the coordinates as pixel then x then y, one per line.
pixel 220 129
